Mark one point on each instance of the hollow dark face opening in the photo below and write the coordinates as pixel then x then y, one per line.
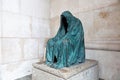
pixel 55 59
pixel 65 24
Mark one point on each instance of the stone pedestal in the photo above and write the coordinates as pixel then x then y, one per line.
pixel 84 71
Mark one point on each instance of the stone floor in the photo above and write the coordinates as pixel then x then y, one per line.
pixel 29 77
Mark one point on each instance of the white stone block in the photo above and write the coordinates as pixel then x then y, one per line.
pixel 12 50
pixel 0 73
pixel 86 71
pixel 0 24
pixel 13 71
pixel 58 6
pixel 86 5
pixel 0 5
pixel 87 19
pixel 104 34
pixel 31 48
pixel 0 52
pixel 40 28
pixel 41 75
pixel 15 25
pixel 54 25
pixel 37 8
pixel 42 47
pixel 109 63
pixel 11 5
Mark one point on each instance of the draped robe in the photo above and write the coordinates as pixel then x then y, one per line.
pixel 67 47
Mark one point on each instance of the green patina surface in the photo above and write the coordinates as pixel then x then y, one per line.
pixel 67 47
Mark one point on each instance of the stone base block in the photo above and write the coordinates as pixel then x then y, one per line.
pixel 83 71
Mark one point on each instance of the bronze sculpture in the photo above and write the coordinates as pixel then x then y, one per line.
pixel 67 47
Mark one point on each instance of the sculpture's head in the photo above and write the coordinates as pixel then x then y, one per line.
pixel 66 18
pixel 67 15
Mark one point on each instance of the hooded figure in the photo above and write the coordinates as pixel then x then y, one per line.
pixel 67 47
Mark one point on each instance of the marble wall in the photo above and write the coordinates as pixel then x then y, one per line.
pixel 101 24
pixel 24 28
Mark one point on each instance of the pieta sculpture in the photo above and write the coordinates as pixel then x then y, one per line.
pixel 67 47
